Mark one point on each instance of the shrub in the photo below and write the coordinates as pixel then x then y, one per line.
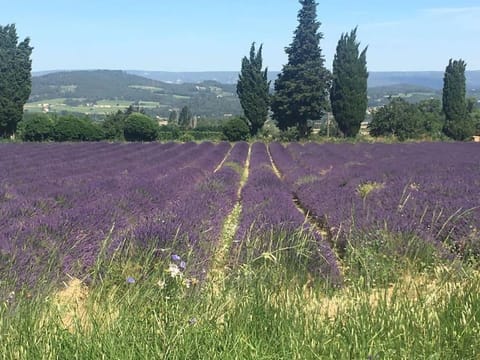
pixel 269 131
pixel 71 128
pixel 290 134
pixel 38 127
pixel 139 127
pixel 236 129
pixel 186 137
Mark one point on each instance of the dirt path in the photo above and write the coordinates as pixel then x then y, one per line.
pixel 311 220
pixel 218 270
pixel 223 160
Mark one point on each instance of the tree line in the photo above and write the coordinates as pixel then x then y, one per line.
pixel 132 124
pixel 305 90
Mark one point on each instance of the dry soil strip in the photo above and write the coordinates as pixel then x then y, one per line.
pixel 316 225
pixel 229 229
pixel 223 160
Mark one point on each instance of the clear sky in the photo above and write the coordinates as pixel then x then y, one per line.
pixel 209 35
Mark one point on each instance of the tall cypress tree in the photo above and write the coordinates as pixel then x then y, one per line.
pixel 253 90
pixel 185 117
pixel 348 95
pixel 301 90
pixel 458 124
pixel 15 78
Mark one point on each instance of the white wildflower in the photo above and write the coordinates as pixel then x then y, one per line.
pixel 174 271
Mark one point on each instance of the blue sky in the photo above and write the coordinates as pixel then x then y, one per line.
pixel 209 35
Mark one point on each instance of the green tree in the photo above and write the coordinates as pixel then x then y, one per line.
pixel 301 89
pixel 139 127
pixel 236 129
pixel 185 117
pixel 432 117
pixel 172 117
pixel 458 124
pixel 72 128
pixel 38 127
pixel 253 90
pixel 348 95
pixel 15 78
pixel 398 118
pixel 113 125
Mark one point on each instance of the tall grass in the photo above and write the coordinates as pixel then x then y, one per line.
pixel 410 305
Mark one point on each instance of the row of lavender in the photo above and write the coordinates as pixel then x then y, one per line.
pixel 192 225
pixel 427 189
pixel 60 202
pixel 270 220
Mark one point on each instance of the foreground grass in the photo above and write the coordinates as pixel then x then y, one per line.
pixel 266 309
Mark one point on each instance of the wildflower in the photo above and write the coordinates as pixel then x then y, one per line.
pixel 174 270
pixel 183 265
pixel 190 282
pixel 175 257
pixel 130 280
pixel 161 284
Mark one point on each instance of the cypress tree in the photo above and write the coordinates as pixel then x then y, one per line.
pixel 15 78
pixel 253 90
pixel 185 117
pixel 301 89
pixel 348 95
pixel 458 124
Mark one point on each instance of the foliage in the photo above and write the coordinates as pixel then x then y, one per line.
pixel 432 118
pixel 72 128
pixel 458 124
pixel 173 117
pixel 15 78
pixel 186 137
pixel 269 131
pixel 113 125
pixel 301 90
pixel 408 121
pixel 236 129
pixel 139 127
pixel 185 117
pixel 38 127
pixel 348 95
pixel 475 115
pixel 290 134
pixel 253 90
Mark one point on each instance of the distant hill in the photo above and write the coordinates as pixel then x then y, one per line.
pixel 208 94
pixel 427 79
pixel 207 98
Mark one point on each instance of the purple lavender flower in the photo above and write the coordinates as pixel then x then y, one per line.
pixel 130 280
pixel 176 257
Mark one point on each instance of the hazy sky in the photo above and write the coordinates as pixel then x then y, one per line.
pixel 207 35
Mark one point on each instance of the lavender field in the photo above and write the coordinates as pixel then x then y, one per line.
pixel 64 205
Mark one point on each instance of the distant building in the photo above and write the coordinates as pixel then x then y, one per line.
pixel 162 121
pixel 364 128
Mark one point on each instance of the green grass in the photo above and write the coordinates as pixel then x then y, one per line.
pixel 409 305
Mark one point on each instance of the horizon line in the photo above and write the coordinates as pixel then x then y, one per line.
pixel 219 71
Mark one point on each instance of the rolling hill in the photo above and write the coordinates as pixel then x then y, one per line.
pixel 427 79
pixel 208 98
pixel 207 94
